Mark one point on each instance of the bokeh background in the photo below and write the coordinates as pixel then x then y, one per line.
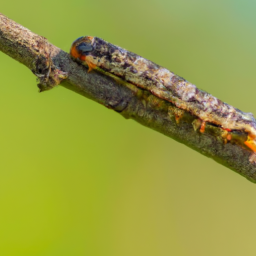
pixel 77 179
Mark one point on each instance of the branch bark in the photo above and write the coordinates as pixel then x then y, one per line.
pixel 53 66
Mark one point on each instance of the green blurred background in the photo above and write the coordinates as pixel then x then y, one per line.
pixel 78 179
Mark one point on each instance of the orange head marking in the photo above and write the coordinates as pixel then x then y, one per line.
pixel 73 52
pixel 90 37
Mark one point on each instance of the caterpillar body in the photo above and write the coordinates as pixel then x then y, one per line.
pixel 98 54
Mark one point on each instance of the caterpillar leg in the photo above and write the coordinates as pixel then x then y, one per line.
pixel 176 112
pixel 226 135
pixel 202 128
pixel 198 123
pixel 251 143
pixel 91 66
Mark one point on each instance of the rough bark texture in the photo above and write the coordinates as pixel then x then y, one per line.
pixel 53 66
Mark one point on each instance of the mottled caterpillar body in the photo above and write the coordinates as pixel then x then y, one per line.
pixel 132 68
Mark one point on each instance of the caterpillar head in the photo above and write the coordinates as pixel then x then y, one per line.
pixel 81 47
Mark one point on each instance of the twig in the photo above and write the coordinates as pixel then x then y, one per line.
pixel 53 66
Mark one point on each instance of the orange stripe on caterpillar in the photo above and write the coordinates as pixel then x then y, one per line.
pixel 226 129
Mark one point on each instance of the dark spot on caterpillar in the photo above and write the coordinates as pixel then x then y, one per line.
pixel 175 79
pixel 111 50
pixel 126 65
pixel 131 58
pixel 100 46
pixel 118 60
pixel 108 57
pixel 121 51
pixel 152 66
pixel 225 115
pixel 98 54
pixel 100 41
pixel 199 93
pixel 133 70
pixel 145 74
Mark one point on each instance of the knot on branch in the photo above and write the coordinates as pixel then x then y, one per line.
pixel 47 73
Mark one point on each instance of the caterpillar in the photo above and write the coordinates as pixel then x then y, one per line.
pixel 105 57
